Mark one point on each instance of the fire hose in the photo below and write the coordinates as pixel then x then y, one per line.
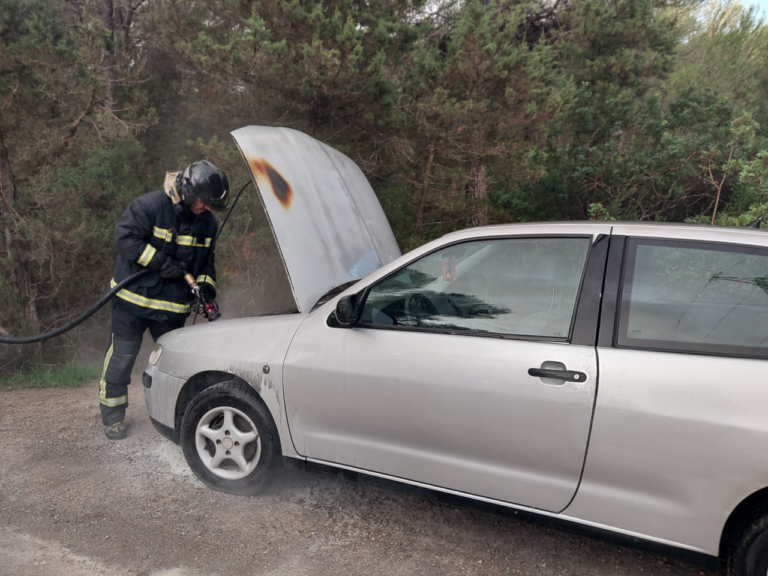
pixel 206 307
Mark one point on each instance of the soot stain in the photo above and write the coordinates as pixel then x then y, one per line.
pixel 280 186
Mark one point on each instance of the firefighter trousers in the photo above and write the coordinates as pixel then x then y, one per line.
pixel 124 344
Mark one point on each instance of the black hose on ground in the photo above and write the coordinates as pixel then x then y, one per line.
pixel 82 318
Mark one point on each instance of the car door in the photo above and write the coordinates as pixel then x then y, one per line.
pixel 680 433
pixel 433 384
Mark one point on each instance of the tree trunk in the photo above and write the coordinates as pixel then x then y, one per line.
pixel 20 276
pixel 108 16
pixel 26 286
pixel 7 192
pixel 126 20
pixel 477 183
pixel 477 190
pixel 419 228
pixel 7 181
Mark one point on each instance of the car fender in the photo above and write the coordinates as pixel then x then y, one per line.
pixel 249 349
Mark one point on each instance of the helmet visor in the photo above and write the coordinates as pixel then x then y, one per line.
pixel 221 203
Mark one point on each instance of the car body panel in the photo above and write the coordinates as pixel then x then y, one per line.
pixel 672 452
pixel 557 516
pixel 446 410
pixel 678 438
pixel 328 223
pixel 162 395
pixel 240 347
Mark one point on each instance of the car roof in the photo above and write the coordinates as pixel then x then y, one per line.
pixel 722 231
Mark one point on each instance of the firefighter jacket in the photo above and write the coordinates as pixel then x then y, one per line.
pixel 152 229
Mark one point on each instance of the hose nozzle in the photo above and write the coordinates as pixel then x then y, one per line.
pixel 208 308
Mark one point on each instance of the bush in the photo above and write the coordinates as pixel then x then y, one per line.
pixel 65 376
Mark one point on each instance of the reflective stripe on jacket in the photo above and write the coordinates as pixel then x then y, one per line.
pixel 152 229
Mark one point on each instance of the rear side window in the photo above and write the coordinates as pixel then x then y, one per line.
pixel 522 286
pixel 695 297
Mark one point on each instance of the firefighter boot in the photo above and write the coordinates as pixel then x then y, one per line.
pixel 116 431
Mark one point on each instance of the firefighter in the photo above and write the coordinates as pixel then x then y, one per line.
pixel 171 232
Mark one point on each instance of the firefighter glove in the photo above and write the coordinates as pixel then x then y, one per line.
pixel 208 292
pixel 172 268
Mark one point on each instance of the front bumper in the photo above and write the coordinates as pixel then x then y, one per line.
pixel 160 394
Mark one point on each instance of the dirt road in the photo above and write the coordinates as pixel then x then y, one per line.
pixel 74 504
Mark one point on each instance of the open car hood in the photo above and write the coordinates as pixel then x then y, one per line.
pixel 328 223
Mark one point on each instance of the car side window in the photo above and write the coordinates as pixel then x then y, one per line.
pixel 695 297
pixel 510 286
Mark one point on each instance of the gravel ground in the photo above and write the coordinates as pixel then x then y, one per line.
pixel 74 504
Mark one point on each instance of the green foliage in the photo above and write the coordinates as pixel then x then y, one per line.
pixel 66 224
pixel 725 52
pixel 461 113
pixel 635 144
pixel 483 93
pixel 41 376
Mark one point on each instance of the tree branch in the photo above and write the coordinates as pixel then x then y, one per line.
pixel 125 23
pixel 722 181
pixel 76 124
pixel 67 141
pixel 418 229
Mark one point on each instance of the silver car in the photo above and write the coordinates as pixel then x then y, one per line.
pixel 609 374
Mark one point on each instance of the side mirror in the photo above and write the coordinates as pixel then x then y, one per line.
pixel 346 311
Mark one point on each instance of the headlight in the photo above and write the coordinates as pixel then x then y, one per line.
pixel 155 356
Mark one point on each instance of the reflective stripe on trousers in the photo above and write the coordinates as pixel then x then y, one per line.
pixel 124 345
pixel 116 375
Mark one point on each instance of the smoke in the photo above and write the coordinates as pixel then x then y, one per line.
pixel 251 276
pixel 251 281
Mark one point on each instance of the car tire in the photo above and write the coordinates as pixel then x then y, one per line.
pixel 217 437
pixel 748 555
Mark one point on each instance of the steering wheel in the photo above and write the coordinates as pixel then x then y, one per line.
pixel 483 309
pixel 419 306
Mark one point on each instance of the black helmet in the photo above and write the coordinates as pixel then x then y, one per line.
pixel 206 181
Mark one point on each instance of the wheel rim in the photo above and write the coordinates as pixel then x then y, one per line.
pixel 228 442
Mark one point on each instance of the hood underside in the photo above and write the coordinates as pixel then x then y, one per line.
pixel 328 223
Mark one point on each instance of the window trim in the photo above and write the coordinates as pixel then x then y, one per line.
pixel 628 256
pixel 593 240
pixel 586 322
pixel 608 323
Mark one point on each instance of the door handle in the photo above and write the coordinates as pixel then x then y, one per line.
pixel 567 375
